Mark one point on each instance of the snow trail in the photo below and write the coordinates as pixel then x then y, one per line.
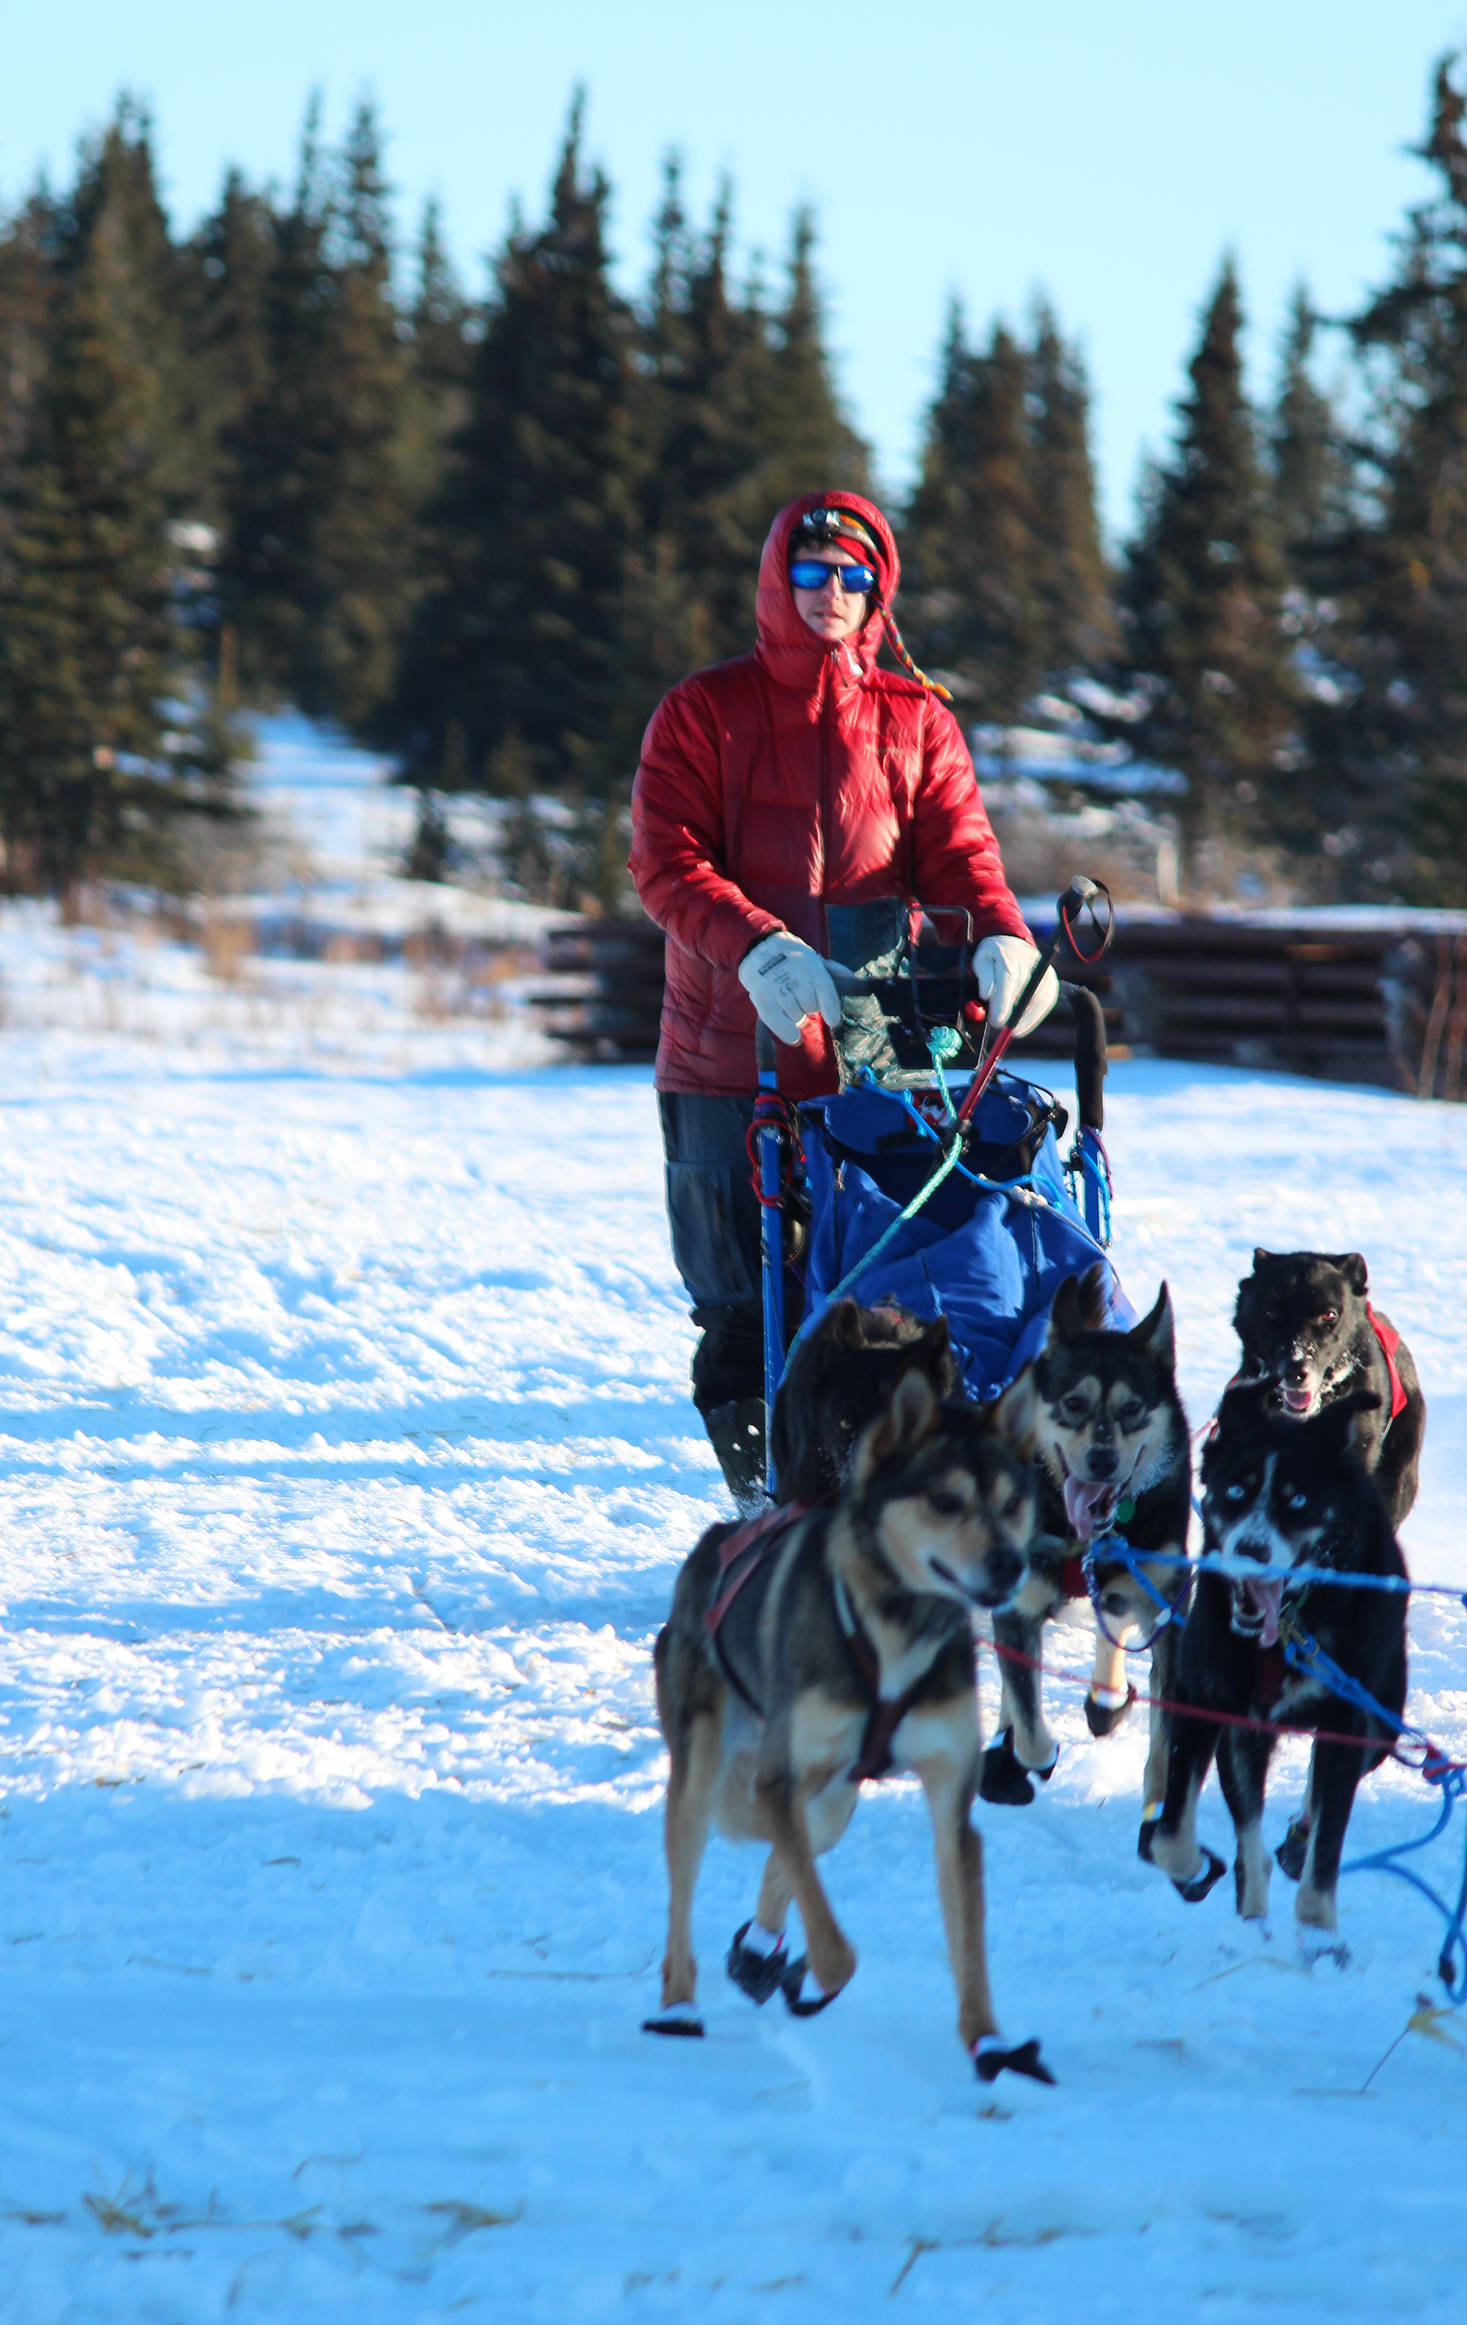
pixel 346 1463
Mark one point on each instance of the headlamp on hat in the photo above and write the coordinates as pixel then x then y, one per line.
pixel 827 528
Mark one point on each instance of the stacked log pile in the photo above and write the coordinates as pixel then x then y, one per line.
pixel 1381 1000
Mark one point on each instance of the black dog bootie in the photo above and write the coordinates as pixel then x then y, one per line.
pixel 1005 1779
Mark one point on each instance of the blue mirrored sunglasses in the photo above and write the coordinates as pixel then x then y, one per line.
pixel 813 573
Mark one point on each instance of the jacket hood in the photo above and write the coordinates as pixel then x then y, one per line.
pixel 793 655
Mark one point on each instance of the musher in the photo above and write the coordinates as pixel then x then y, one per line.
pixel 796 777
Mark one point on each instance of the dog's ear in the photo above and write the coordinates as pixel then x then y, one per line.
pixel 1261 1257
pixel 908 1421
pixel 840 1330
pixel 1157 1333
pixel 1243 1405
pixel 1351 1265
pixel 940 1359
pixel 1015 1414
pixel 1095 1296
pixel 1065 1315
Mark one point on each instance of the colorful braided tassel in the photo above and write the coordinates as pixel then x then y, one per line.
pixel 898 647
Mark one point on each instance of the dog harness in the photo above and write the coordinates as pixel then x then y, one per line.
pixel 741 1554
pixel 1390 1341
pixel 874 1760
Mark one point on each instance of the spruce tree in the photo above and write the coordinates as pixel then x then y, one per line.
pixel 440 320
pixel 1309 456
pixel 362 534
pixel 116 197
pixel 315 568
pixel 27 259
pixel 226 275
pixel 806 442
pixel 1071 580
pixel 96 753
pixel 280 451
pixel 516 644
pixel 699 395
pixel 1399 748
pixel 976 609
pixel 1203 604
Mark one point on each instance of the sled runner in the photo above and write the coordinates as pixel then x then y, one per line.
pixel 909 1187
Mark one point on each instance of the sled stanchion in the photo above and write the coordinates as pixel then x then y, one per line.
pixel 1080 896
pixel 771 1241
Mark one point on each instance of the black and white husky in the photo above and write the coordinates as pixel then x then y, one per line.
pixel 1279 1494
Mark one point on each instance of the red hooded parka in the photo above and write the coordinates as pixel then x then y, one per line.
pixel 796 777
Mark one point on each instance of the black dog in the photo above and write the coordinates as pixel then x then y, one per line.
pixel 842 1375
pixel 1283 1494
pixel 1309 1330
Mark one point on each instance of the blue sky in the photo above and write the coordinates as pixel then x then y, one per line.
pixel 1108 152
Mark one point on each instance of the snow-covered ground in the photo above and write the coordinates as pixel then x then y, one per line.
pixel 346 1464
pixel 337 829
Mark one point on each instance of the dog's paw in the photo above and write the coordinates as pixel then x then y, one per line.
pixel 992 2057
pixel 802 1997
pixel 678 2018
pixel 1101 1718
pixel 1208 1874
pixel 755 1973
pixel 1293 1848
pixel 1005 1780
pixel 1320 1945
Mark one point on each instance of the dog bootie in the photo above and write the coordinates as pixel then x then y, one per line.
pixel 1005 1779
pixel 677 2018
pixel 803 1998
pixel 756 1970
pixel 1105 1708
pixel 1208 1874
pixel 1293 1848
pixel 992 2057
pixel 736 1433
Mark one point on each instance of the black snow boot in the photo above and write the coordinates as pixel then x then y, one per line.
pixel 736 1433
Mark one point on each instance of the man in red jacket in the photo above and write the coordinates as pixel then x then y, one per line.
pixel 774 787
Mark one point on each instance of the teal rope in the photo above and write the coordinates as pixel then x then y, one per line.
pixel 938 1048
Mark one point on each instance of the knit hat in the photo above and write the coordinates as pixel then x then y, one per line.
pixel 825 528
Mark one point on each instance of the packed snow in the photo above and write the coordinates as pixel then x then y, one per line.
pixel 347 1463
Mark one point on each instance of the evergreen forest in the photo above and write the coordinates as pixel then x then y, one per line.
pixel 290 459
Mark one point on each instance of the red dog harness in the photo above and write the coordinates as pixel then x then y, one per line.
pixel 1390 1341
pixel 744 1551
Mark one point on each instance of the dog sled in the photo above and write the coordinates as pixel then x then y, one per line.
pixel 933 1180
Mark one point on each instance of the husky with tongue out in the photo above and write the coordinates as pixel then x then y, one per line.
pixel 1115 1469
pixel 1280 1494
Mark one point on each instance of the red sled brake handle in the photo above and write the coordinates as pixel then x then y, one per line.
pixel 986 1071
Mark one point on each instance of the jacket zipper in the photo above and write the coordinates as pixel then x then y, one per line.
pixel 826 709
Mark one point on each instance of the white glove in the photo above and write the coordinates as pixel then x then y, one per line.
pixel 1003 966
pixel 787 982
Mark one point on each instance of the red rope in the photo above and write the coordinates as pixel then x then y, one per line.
pixel 1237 1719
pixel 773 1112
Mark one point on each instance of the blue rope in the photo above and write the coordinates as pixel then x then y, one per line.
pixel 1305 1654
pixel 1248 1569
pixel 1119 1551
pixel 1450 1776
